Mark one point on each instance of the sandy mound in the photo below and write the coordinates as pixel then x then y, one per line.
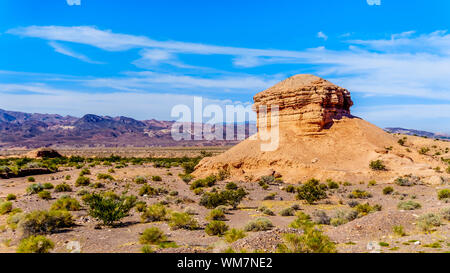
pixel 43 153
pixel 318 138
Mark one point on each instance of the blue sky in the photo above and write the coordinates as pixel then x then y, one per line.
pixel 140 58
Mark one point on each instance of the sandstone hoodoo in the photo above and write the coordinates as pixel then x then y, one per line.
pixel 318 137
pixel 306 103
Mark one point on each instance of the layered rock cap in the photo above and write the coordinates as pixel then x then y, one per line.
pixel 306 103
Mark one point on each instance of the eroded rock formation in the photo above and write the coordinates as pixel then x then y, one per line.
pixel 306 103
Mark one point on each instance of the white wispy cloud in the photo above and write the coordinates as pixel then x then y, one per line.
pixel 68 52
pixel 322 35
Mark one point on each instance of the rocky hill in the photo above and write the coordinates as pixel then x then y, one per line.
pixel 26 130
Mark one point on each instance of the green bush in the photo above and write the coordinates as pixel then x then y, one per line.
pixel 372 183
pixel 179 220
pixel 428 222
pixel 377 165
pixel 408 205
pixel 444 194
pixel 35 188
pixel 260 224
pixel 216 214
pixel 109 210
pixel 287 212
pixel 11 197
pixel 399 231
pixel 5 207
pixel 156 178
pixel 103 176
pixel 147 190
pixel 216 228
pixel 388 190
pixel 66 203
pixel 186 177
pixel 359 194
pixel 35 244
pixel 203 183
pixel 311 192
pixel 154 213
pixel 45 195
pixel 140 206
pixel 234 234
pixel 231 186
pixel 332 185
pixel 31 179
pixel 343 217
pixel 85 172
pixel 48 186
pixel 311 241
pixel 445 213
pixel 44 222
pixel 152 236
pixel 364 209
pixel 290 189
pixel 140 180
pixel 407 181
pixel 82 181
pixel 212 200
pixel 63 188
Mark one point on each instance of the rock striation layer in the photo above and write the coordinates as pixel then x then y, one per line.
pixel 305 102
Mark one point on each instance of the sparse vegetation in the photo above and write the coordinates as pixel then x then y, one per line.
pixel 63 188
pixel 179 220
pixel 154 213
pixel 377 165
pixel 388 190
pixel 107 209
pixel 35 244
pixel 428 222
pixel 82 181
pixel 234 234
pixel 444 194
pixel 216 228
pixel 260 224
pixel 152 236
pixel 44 222
pixel 66 203
pixel 409 205
pixel 311 192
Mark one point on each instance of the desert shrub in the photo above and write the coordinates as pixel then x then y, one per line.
pixel 399 231
pixel 68 177
pixel 231 186
pixel 428 222
pixel 199 191
pixel 320 217
pixel 180 220
pixel 290 189
pixel 216 214
pixel 147 190
pixel 63 188
pixel 84 172
pixel 35 188
pixel 372 183
pixel 103 176
pixel 407 181
pixel 359 194
pixel 388 190
pixel 140 206
pixel 266 211
pixel 140 180
pixel 364 209
pixel 48 186
pixel 5 207
pixel 343 217
pixel 82 181
pixel 154 213
pixel 188 167
pixel 234 234
pixel 227 197
pixel 424 150
pixel 109 210
pixel 401 142
pixel 408 205
pixel 444 194
pixel 353 203
pixel 287 212
pixel 35 244
pixel 260 224
pixel 173 193
pixel 269 179
pixel 377 165
pixel 186 177
pixel 347 184
pixel 45 222
pixel 311 241
pixel 66 203
pixel 11 197
pixel 223 174
pixel 156 178
pixel 311 192
pixel 147 249
pixel 216 228
pixel 445 213
pixel 270 196
pixel 332 185
pixel 152 236
pixel 45 195
pixel 206 182
pixel 97 185
pixel 31 179
pixel 302 220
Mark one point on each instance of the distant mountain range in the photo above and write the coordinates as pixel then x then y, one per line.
pixel 413 132
pixel 26 130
